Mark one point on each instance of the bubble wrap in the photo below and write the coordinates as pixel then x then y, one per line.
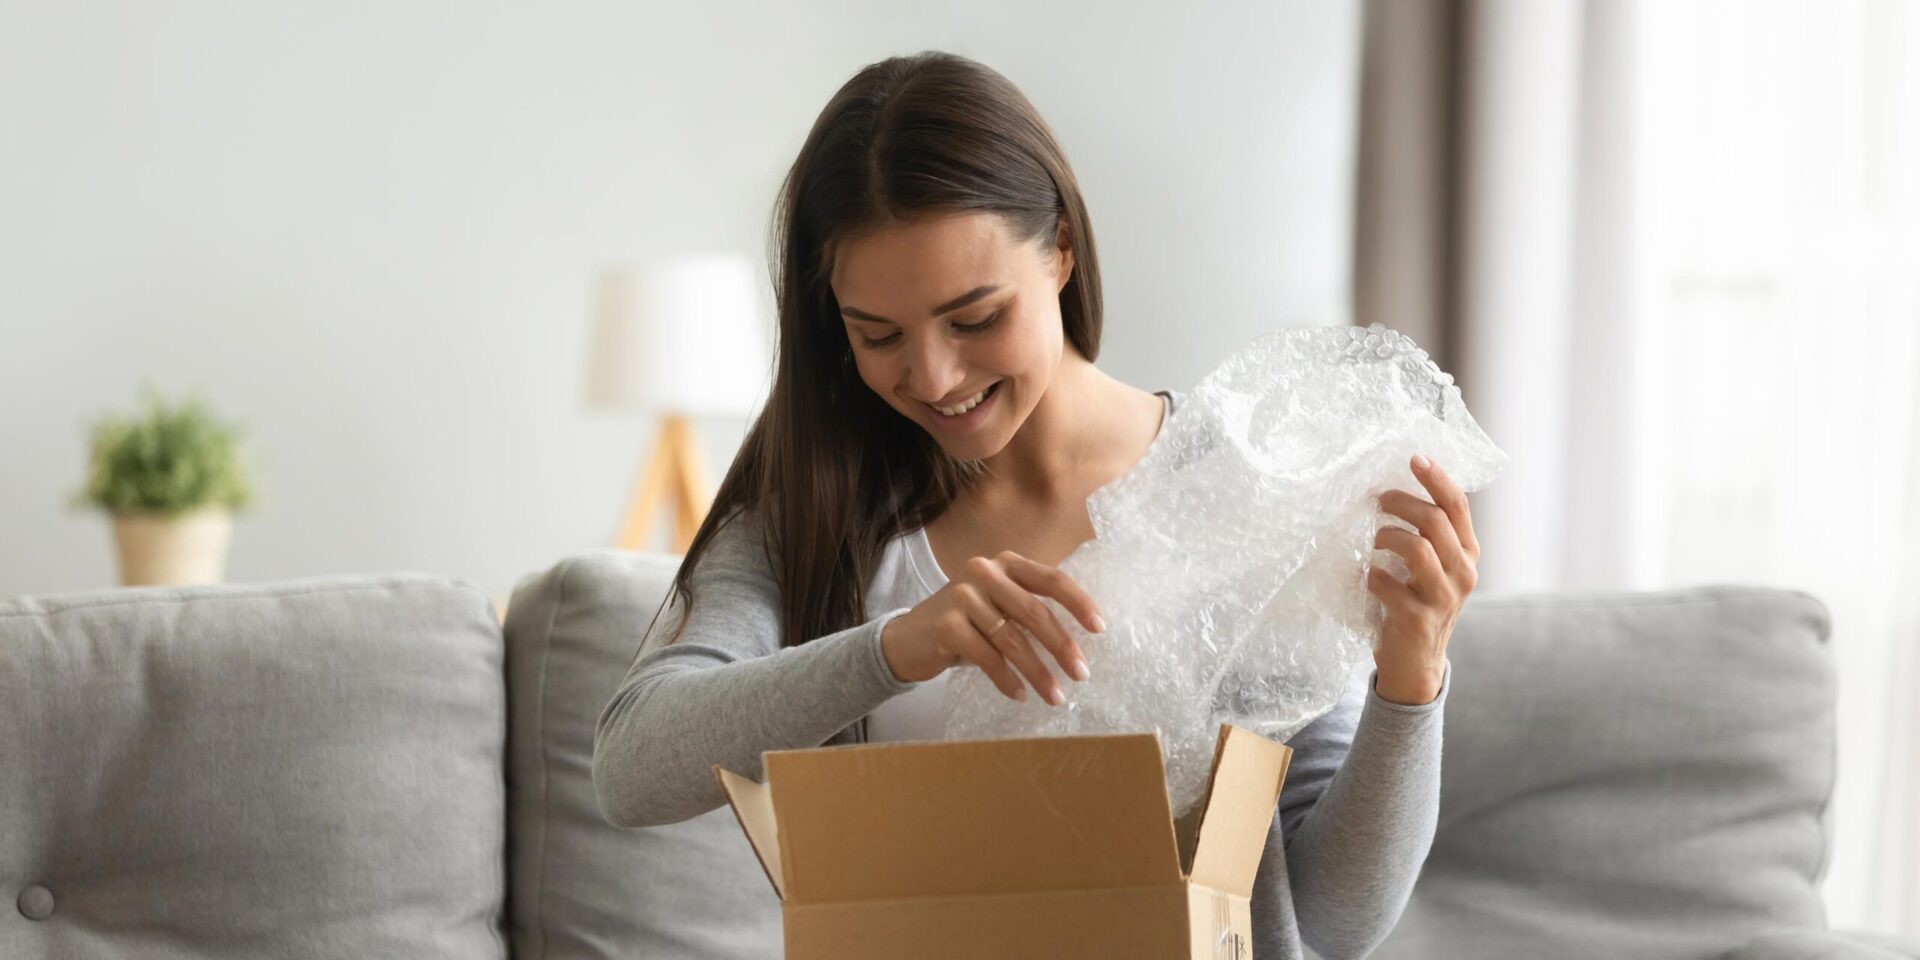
pixel 1230 561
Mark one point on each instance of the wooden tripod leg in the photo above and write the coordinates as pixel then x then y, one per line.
pixel 694 491
pixel 650 484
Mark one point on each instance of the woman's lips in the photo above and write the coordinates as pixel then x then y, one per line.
pixel 971 418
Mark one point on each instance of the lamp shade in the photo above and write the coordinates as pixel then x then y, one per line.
pixel 684 334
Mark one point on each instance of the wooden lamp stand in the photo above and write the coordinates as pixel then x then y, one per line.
pixel 676 469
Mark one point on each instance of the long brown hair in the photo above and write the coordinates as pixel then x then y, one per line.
pixel 830 469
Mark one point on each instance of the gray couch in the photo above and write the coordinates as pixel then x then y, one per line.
pixel 370 766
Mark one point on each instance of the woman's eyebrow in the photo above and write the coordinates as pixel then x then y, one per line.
pixel 950 306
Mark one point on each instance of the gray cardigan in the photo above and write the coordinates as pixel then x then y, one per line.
pixel 1354 823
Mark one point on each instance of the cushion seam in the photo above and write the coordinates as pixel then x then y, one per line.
pixel 228 595
pixel 546 774
pixel 1671 596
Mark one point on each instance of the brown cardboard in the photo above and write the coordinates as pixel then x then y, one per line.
pixel 1241 795
pixel 1056 847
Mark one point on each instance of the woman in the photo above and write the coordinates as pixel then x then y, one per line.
pixel 922 464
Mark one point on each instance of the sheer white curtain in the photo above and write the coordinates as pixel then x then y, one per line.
pixel 1780 244
pixel 1671 251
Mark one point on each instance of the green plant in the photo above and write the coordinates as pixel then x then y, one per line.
pixel 171 460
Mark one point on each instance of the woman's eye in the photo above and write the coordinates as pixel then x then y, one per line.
pixel 982 325
pixel 962 327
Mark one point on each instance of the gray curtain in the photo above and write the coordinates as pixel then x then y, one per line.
pixel 1494 175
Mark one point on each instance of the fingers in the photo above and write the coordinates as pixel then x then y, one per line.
pixel 1050 581
pixel 1404 606
pixel 973 646
pixel 1002 630
pixel 1002 601
pixel 1453 500
pixel 1016 582
pixel 1397 596
pixel 1434 526
pixel 1430 582
pixel 1020 608
pixel 1438 526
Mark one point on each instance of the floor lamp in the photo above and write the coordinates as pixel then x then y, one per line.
pixel 676 338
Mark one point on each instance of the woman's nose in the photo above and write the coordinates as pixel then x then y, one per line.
pixel 935 372
pixel 935 392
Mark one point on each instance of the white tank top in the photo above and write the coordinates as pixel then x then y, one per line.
pixel 908 574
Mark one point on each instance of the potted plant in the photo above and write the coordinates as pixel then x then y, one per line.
pixel 172 480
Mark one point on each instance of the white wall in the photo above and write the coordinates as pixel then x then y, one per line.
pixel 369 231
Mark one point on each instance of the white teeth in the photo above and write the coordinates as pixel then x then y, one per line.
pixel 955 411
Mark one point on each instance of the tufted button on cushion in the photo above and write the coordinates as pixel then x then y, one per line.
pixel 313 762
pixel 36 902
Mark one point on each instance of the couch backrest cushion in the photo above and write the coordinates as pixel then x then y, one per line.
pixel 1628 774
pixel 581 887
pixel 301 768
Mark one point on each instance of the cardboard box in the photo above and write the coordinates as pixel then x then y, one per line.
pixel 1055 847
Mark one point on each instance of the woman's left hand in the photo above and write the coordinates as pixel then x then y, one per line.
pixel 1442 558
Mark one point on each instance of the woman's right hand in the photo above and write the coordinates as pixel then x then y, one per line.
pixel 972 619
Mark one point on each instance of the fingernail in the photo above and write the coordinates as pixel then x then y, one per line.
pixel 1080 671
pixel 1055 697
pixel 1020 694
pixel 1421 461
pixel 1099 624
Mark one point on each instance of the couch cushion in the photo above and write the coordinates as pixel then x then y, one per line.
pixel 1628 775
pixel 306 768
pixel 582 887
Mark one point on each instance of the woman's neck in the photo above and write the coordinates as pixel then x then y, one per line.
pixel 1086 429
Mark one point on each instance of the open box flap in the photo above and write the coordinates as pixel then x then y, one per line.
pixel 752 805
pixel 972 817
pixel 1242 794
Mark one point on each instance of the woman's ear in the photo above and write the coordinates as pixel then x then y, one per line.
pixel 1063 247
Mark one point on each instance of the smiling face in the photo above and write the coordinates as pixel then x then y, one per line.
pixel 942 309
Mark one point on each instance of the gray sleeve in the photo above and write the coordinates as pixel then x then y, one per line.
pixel 1356 819
pixel 727 690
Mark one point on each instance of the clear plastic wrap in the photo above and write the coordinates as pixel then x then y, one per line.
pixel 1230 561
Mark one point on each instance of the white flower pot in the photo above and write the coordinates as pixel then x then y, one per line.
pixel 157 550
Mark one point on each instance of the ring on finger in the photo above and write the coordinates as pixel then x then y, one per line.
pixel 995 628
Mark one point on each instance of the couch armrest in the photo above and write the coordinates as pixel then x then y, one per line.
pixel 1810 944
